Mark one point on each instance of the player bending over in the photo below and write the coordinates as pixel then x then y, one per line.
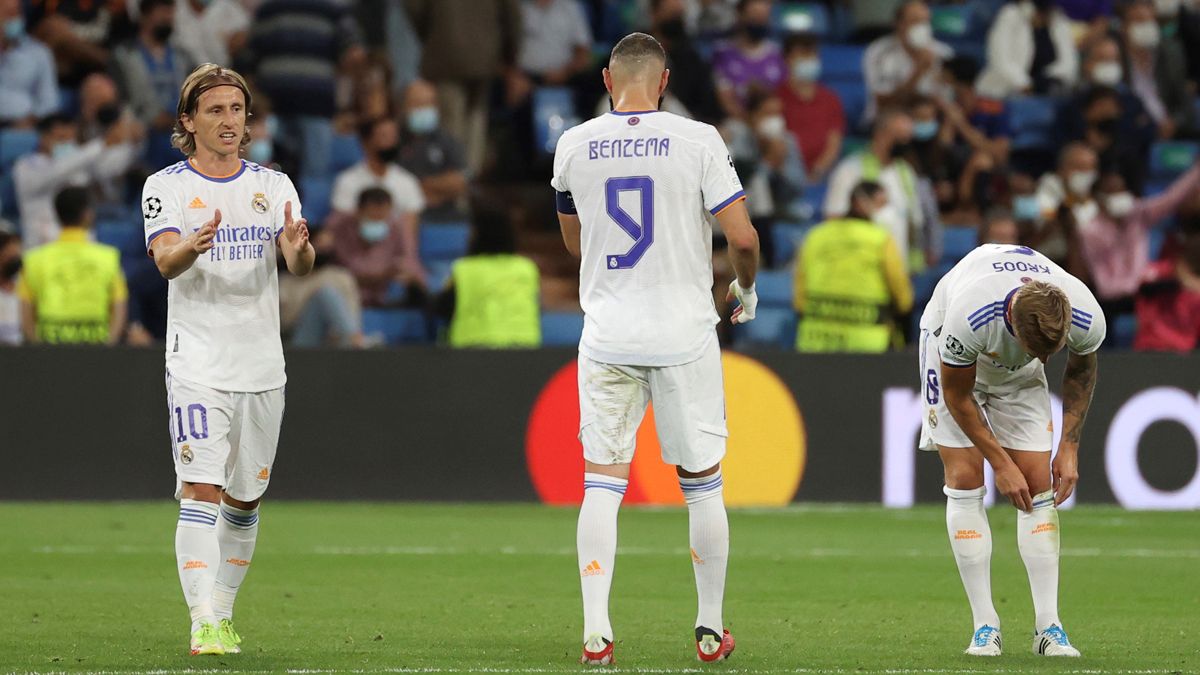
pixel 632 189
pixel 993 322
pixel 213 224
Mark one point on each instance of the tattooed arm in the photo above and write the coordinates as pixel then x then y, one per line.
pixel 1079 381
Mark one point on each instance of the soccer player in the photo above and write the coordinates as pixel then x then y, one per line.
pixel 632 187
pixel 213 225
pixel 991 325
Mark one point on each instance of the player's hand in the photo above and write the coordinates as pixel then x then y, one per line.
pixel 295 232
pixel 747 302
pixel 1065 471
pixel 1011 483
pixel 202 240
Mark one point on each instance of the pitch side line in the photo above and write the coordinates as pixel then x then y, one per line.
pixel 647 671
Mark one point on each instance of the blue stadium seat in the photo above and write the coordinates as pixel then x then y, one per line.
pixel 787 238
pixel 553 113
pixel 774 288
pixel 973 48
pixel 438 274
pixel 1032 119
pixel 561 329
pixel 315 195
pixel 771 326
pixel 444 241
pixel 125 235
pixel 1171 158
pixel 347 152
pixel 840 63
pixel 951 21
pixel 802 17
pixel 8 197
pixel 13 144
pixel 853 95
pixel 957 242
pixel 396 326
pixel 1122 332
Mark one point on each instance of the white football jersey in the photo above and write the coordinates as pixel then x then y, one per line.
pixel 967 313
pixel 641 183
pixel 223 312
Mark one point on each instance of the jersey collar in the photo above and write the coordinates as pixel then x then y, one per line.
pixel 216 179
pixel 625 113
pixel 1007 308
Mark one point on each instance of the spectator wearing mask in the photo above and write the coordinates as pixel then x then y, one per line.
pixel 1030 50
pixel 767 158
pixel 1066 199
pixel 212 31
pixel 978 128
pixel 749 59
pixel 1157 69
pixel 999 227
pixel 492 297
pixel 1116 126
pixel 1168 304
pixel 466 44
pixel 1116 241
pixel 691 76
pixel 73 291
pixel 28 83
pixel 10 304
pixel 813 112
pixel 61 161
pixel 884 161
pixel 371 244
pixel 850 281
pixel 904 62
pixel 1024 205
pixel 431 155
pixel 379 168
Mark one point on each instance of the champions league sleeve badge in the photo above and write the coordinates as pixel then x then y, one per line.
pixel 151 207
pixel 954 346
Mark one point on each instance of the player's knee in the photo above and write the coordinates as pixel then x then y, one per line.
pixel 683 473
pixel 201 492
pixel 963 476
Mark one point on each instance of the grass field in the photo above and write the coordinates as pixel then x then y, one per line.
pixel 424 588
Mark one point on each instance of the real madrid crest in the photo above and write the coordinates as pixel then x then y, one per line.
pixel 260 203
pixel 185 454
pixel 932 418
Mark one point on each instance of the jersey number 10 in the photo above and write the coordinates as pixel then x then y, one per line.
pixel 642 233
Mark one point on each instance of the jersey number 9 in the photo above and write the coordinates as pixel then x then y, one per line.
pixel 642 233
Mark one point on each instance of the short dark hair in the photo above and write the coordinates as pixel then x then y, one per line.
pixel 72 204
pixel 147 6
pixel 962 69
pixel 802 40
pixel 638 46
pixel 365 129
pixel 492 232
pixel 867 189
pixel 6 238
pixel 374 196
pixel 48 123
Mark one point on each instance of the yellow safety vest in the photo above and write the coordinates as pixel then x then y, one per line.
pixel 847 304
pixel 72 284
pixel 495 302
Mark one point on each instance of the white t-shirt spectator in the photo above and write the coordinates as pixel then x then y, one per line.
pixel 28 81
pixel 1010 52
pixel 205 36
pixel 552 32
pixel 886 66
pixel 400 184
pixel 10 318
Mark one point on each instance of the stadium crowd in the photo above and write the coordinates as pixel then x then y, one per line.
pixel 420 135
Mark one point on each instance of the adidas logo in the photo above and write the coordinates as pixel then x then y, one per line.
pixel 592 569
pixel 264 474
pixel 197 203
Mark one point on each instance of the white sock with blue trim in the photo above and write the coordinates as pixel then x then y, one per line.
pixel 237 532
pixel 1038 539
pixel 197 555
pixel 596 542
pixel 971 540
pixel 708 530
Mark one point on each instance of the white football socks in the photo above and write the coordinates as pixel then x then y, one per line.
pixel 971 541
pixel 596 542
pixel 197 554
pixel 237 531
pixel 708 528
pixel 1038 539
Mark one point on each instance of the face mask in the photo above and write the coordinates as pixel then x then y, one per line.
pixel 919 35
pixel 162 32
pixel 925 130
pixel 14 28
pixel 756 32
pixel 1144 34
pixel 672 29
pixel 1119 204
pixel 64 150
pixel 1025 207
pixel 107 114
pixel 423 120
pixel 1107 73
pixel 261 151
pixel 772 127
pixel 1107 126
pixel 10 268
pixel 373 231
pixel 806 70
pixel 388 155
pixel 899 150
pixel 1080 182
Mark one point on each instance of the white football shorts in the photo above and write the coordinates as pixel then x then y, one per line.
pixel 224 438
pixel 689 410
pixel 1020 418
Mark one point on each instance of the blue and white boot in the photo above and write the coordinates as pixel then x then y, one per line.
pixel 986 642
pixel 1053 642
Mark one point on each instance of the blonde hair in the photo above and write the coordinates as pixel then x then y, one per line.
pixel 204 77
pixel 1041 317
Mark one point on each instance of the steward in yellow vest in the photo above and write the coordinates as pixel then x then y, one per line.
pixel 72 290
pixel 851 281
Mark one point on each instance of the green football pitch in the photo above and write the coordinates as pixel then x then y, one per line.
pixel 344 587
